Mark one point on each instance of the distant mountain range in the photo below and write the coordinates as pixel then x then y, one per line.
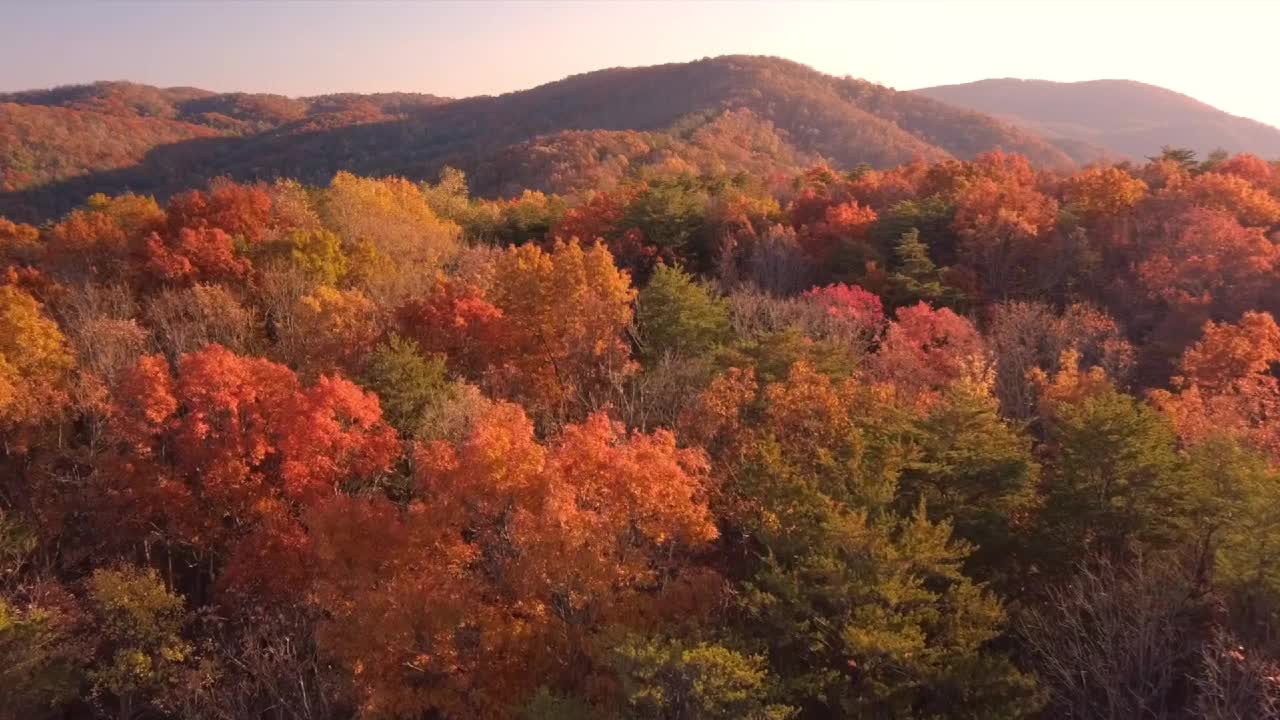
pixel 1119 118
pixel 735 114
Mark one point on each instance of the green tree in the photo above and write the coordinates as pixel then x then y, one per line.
pixel 141 653
pixel 671 680
pixel 1185 157
pixel 406 382
pixel 670 213
pixel 548 705
pixel 916 278
pixel 41 660
pixel 449 198
pixel 1117 481
pixel 863 610
pixel 1237 493
pixel 977 470
pixel 930 216
pixel 319 254
pixel 679 315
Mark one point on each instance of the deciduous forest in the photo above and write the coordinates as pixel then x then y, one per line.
pixel 972 439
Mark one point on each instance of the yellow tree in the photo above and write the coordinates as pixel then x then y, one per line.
pixel 395 242
pixel 34 360
pixel 566 312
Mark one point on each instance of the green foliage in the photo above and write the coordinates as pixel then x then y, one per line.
pixel 664 679
pixel 406 383
pixel 931 217
pixel 670 213
pixel 138 622
pixel 864 611
pixel 1117 483
pixel 978 470
pixel 319 254
pixel 1236 511
pixel 1184 157
pixel 18 540
pixel 547 705
pixel 915 278
pixel 679 315
pixel 449 197
pixel 773 354
pixel 40 660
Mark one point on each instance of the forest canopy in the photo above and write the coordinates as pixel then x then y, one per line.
pixel 953 439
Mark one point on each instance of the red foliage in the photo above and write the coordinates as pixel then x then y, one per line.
pixel 925 350
pixel 1211 260
pixel 849 303
pixel 202 255
pixel 227 446
pixel 239 210
pixel 457 321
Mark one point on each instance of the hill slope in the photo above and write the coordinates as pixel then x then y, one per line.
pixel 1119 117
pixel 729 114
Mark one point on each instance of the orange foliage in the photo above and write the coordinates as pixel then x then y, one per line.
pixel 1226 387
pixel 1232 194
pixel 549 332
pixel 1001 218
pixel 1101 192
pixel 516 555
pixel 843 225
pixel 208 455
pixel 1211 259
pixel 1230 352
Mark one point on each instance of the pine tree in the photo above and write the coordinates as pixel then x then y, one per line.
pixel 917 277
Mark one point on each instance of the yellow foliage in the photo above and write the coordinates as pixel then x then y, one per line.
pixel 34 359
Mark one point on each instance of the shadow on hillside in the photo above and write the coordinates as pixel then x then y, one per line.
pixel 311 157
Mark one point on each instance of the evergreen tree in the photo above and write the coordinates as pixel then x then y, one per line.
pixel 679 315
pixel 917 279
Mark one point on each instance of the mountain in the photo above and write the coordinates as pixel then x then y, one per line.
pixel 730 114
pixel 1119 118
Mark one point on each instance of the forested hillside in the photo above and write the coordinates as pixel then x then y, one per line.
pixel 729 114
pixel 1117 118
pixel 949 439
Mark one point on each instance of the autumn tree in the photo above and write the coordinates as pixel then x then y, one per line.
pixel 1001 218
pixel 394 241
pixel 100 241
pixel 34 360
pixel 516 553
pixel 1225 386
pixel 242 211
pixel 214 459
pixel 141 652
pixel 925 350
pixel 549 332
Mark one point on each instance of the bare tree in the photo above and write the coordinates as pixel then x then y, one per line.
pixel 187 319
pixel 1121 641
pixel 1237 683
pixel 265 666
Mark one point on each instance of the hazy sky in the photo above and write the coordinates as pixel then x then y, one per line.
pixel 1220 52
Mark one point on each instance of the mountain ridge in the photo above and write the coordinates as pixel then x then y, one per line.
pixel 757 115
pixel 1126 118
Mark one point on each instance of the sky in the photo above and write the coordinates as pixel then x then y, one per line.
pixel 1220 52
